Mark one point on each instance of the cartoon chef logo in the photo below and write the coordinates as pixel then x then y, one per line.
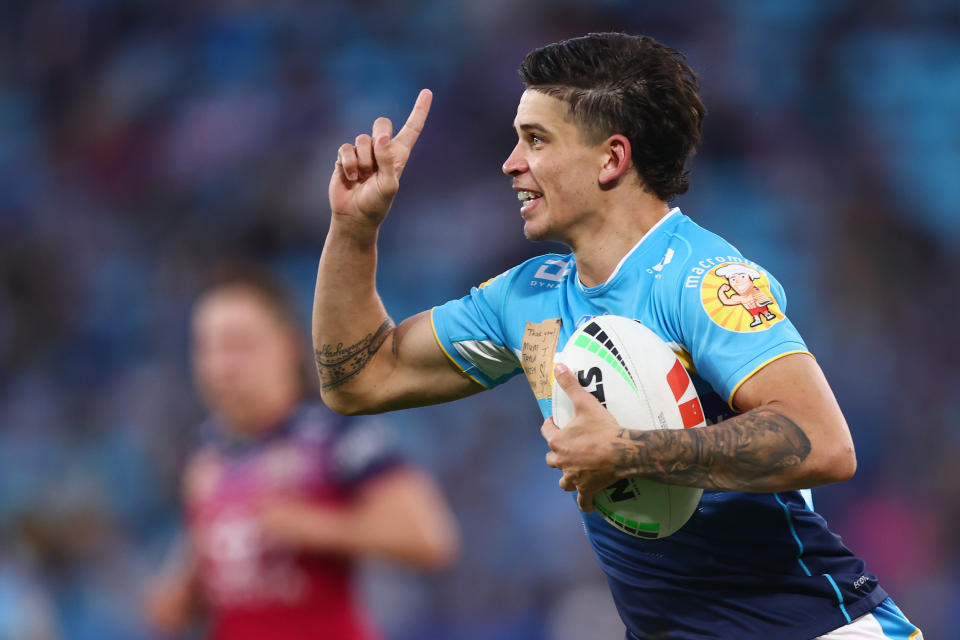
pixel 737 297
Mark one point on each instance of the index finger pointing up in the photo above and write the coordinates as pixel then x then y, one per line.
pixel 418 116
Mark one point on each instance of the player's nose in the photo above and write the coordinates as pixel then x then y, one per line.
pixel 515 162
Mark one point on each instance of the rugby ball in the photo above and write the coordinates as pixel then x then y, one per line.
pixel 640 380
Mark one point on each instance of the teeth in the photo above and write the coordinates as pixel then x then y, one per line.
pixel 526 196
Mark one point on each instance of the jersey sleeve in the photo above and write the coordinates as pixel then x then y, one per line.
pixel 470 332
pixel 364 448
pixel 732 320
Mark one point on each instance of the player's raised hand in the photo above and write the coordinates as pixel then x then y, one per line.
pixel 367 173
pixel 584 449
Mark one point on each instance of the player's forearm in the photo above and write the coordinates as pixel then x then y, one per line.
pixel 406 542
pixel 350 323
pixel 762 450
pixel 404 518
pixel 421 540
pixel 168 607
pixel 172 600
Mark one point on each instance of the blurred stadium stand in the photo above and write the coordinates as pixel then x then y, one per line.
pixel 143 142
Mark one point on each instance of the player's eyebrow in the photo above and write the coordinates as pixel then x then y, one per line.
pixel 531 127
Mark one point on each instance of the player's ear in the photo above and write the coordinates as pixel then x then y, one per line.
pixel 617 158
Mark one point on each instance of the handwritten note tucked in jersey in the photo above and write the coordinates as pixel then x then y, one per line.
pixel 537 351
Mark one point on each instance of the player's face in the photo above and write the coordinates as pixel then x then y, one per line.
pixel 554 171
pixel 244 358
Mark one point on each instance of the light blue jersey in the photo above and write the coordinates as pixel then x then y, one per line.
pixel 745 565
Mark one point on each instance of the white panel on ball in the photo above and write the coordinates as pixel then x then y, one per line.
pixel 643 384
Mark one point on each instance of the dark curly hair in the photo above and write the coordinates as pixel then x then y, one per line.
pixel 631 85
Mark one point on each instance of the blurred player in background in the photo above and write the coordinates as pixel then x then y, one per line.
pixel 605 126
pixel 285 495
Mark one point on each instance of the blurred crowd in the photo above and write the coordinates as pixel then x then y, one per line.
pixel 143 143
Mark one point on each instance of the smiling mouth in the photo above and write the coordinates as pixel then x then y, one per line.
pixel 528 199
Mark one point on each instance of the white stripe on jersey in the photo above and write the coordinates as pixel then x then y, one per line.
pixel 492 359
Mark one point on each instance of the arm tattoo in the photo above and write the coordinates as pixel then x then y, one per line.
pixel 738 454
pixel 338 363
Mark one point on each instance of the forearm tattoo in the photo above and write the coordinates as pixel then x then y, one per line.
pixel 338 363
pixel 736 454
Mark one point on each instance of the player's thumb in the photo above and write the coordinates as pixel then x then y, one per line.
pixel 579 396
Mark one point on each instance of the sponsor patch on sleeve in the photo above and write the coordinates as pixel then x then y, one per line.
pixel 737 296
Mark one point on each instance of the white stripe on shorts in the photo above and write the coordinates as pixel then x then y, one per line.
pixel 866 627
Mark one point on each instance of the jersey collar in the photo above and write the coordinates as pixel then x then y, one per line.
pixel 669 215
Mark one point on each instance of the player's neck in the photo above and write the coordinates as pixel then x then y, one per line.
pixel 626 221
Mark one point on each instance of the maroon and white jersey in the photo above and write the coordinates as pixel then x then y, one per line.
pixel 256 591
